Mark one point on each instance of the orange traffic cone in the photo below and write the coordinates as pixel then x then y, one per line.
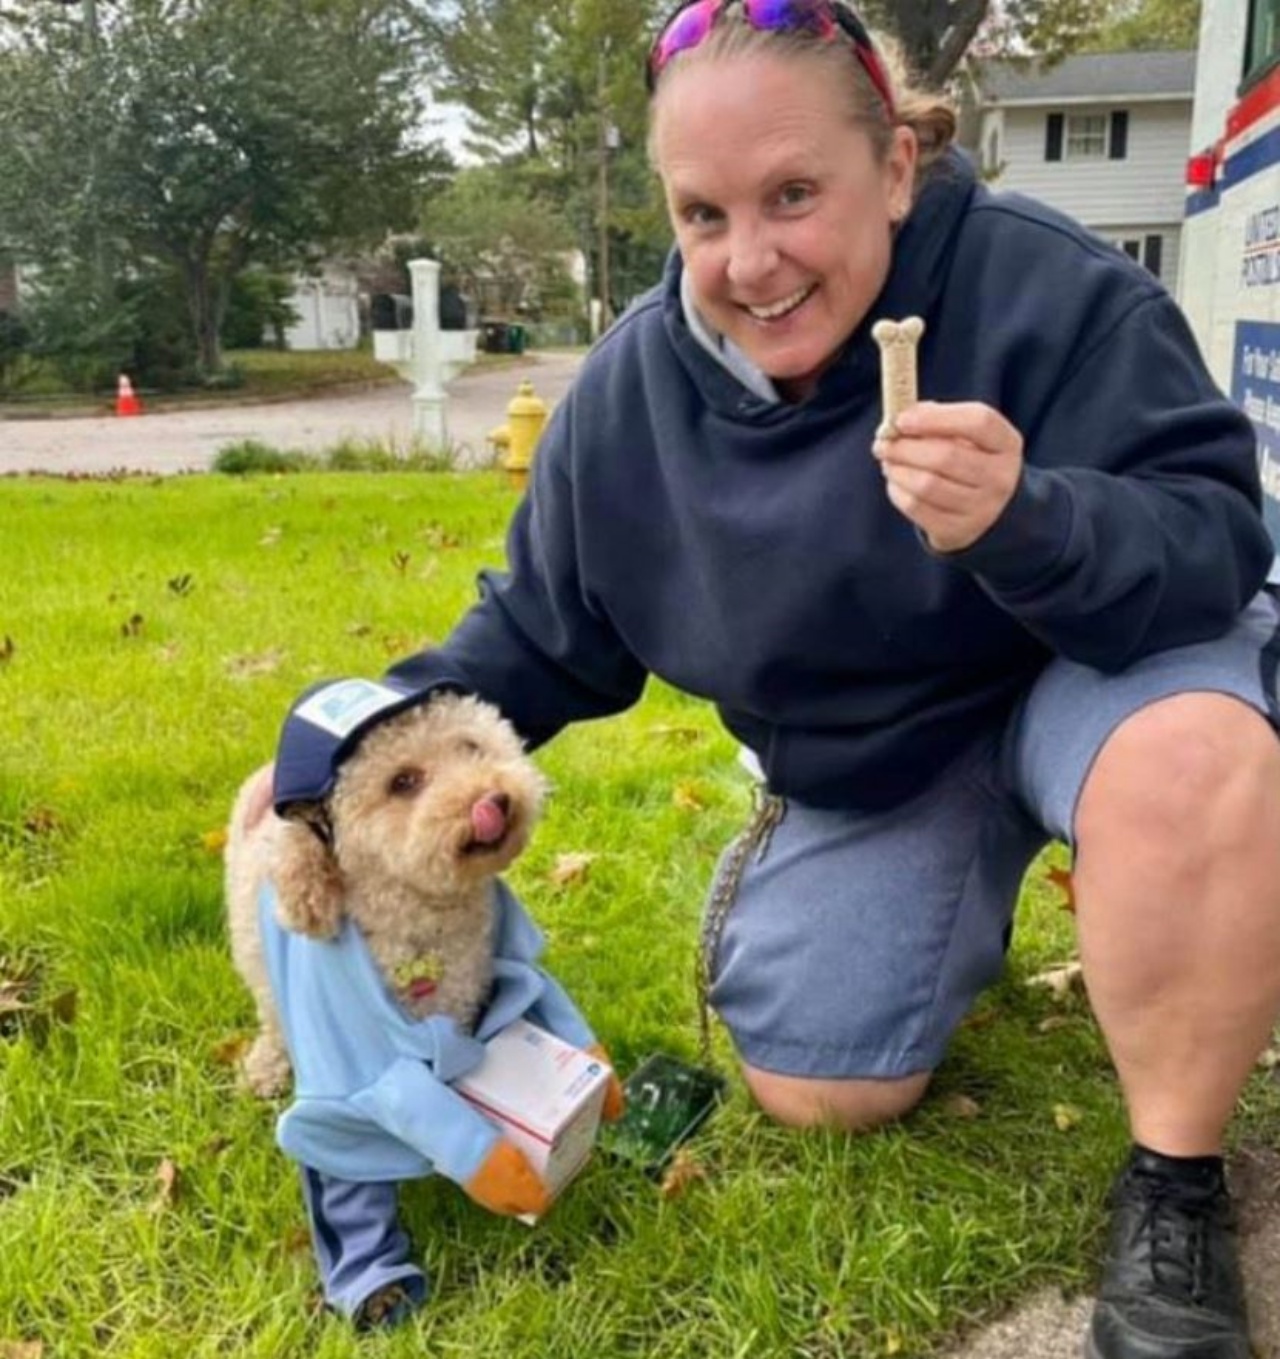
pixel 127 402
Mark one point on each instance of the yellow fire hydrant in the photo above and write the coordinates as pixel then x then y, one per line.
pixel 526 416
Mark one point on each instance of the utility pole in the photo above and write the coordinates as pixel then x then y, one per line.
pixel 608 142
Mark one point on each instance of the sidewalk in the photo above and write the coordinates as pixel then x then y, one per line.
pixel 187 441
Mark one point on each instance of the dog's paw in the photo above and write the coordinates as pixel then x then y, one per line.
pixel 390 1306
pixel 266 1069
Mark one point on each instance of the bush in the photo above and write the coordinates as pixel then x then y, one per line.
pixel 251 455
pixel 258 313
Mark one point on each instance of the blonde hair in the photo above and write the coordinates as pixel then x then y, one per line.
pixel 932 117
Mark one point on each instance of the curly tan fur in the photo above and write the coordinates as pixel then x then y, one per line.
pixel 405 862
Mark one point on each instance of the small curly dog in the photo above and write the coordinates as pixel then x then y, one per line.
pixel 433 804
pixel 383 951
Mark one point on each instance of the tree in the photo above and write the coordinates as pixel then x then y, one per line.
pixel 1150 26
pixel 556 98
pixel 490 236
pixel 205 135
pixel 936 34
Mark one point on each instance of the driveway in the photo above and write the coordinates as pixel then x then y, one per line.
pixel 188 440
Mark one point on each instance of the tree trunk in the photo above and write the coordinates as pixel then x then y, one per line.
pixel 204 321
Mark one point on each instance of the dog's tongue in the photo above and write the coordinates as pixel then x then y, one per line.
pixel 488 821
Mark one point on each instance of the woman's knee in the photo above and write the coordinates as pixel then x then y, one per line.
pixel 851 1105
pixel 1184 768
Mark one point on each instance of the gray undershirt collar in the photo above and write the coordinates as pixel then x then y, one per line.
pixel 722 349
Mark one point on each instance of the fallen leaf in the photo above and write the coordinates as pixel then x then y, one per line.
pixel 21 1349
pixel 132 626
pixel 295 1240
pixel 893 1342
pixel 1066 1116
pixel 358 629
pixel 167 1176
pixel 181 585
pixel 7 649
pixel 271 537
pixel 686 796
pixel 214 841
pixel 1052 1022
pixel 685 1169
pixel 64 1005
pixel 13 998
pixel 961 1106
pixel 1269 1059
pixel 247 667
pixel 1064 882
pixel 400 560
pixel 683 736
pixel 229 1051
pixel 436 535
pixel 41 821
pixel 571 868
pixel 979 1019
pixel 1060 979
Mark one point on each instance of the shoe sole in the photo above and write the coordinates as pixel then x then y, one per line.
pixel 1091 1351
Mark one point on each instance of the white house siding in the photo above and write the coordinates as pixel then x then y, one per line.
pixel 327 311
pixel 1146 186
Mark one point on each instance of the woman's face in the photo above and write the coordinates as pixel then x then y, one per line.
pixel 781 209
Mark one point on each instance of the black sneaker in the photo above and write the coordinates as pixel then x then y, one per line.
pixel 1171 1286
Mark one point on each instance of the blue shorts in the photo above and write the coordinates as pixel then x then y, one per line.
pixel 857 942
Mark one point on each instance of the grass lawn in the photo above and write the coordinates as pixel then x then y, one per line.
pixel 151 635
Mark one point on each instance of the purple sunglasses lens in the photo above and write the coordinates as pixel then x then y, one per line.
pixel 786 15
pixel 686 30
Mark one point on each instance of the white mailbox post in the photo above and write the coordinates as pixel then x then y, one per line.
pixel 426 355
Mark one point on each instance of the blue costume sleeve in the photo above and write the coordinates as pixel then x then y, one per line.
pixel 429 1116
pixel 522 987
pixel 557 1013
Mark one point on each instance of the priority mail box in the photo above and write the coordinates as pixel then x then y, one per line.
pixel 544 1094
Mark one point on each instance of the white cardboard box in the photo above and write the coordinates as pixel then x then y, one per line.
pixel 544 1094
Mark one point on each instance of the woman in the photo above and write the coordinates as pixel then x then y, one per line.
pixel 1033 611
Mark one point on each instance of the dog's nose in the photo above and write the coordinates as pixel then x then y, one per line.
pixel 489 816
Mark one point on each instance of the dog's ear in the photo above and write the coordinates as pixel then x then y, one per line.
pixel 308 880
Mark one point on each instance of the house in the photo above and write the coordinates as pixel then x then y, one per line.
pixel 327 310
pixel 1102 137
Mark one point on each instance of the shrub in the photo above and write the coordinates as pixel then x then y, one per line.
pixel 251 455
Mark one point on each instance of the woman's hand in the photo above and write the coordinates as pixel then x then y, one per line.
pixel 951 469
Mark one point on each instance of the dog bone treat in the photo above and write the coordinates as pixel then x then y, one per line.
pixel 897 341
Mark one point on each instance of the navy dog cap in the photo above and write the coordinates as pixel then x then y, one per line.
pixel 325 725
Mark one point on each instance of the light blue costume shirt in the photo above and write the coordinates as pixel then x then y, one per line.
pixel 372 1095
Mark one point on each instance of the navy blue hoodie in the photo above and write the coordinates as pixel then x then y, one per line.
pixel 746 552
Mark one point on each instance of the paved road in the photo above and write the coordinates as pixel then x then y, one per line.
pixel 187 440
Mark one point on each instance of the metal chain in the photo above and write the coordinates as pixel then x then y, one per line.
pixel 768 813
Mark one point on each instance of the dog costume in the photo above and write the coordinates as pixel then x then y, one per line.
pixel 373 1101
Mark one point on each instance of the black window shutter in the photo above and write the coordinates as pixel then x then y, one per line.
pixel 1119 134
pixel 1152 248
pixel 1053 137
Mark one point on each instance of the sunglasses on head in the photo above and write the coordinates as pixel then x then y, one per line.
pixel 825 20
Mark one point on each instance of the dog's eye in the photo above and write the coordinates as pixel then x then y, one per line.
pixel 405 782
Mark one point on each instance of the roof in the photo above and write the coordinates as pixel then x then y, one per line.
pixel 1093 77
